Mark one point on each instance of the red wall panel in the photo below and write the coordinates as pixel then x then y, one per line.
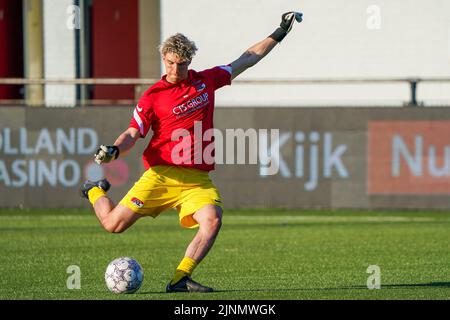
pixel 11 46
pixel 115 51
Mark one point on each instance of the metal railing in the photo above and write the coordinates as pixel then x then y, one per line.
pixel 138 83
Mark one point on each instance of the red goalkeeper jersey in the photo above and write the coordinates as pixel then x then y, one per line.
pixel 174 112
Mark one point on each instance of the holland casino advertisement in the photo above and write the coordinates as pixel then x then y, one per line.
pixel 46 154
pixel 29 169
pixel 287 157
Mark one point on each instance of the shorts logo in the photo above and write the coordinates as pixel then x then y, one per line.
pixel 138 203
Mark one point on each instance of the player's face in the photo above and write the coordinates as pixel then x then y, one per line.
pixel 176 70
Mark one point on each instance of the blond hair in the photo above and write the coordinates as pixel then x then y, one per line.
pixel 180 45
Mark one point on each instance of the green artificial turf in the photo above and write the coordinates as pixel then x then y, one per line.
pixel 259 254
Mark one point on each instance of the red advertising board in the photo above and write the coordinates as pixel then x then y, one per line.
pixel 409 157
pixel 11 46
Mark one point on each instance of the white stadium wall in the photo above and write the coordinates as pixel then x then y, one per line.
pixel 59 52
pixel 337 39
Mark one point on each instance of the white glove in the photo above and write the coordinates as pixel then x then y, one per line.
pixel 106 154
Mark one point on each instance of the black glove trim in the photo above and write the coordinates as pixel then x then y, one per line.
pixel 278 35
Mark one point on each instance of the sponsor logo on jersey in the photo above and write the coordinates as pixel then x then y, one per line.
pixel 191 105
pixel 138 203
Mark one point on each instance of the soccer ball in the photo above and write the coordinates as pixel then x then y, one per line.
pixel 124 275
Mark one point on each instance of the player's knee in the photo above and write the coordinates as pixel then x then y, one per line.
pixel 217 223
pixel 214 221
pixel 113 227
pixel 210 219
pixel 214 226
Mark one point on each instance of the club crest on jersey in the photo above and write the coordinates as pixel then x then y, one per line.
pixel 199 85
pixel 138 203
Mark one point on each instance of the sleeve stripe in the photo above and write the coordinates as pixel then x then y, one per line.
pixel 227 68
pixel 139 122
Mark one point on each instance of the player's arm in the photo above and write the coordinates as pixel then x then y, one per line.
pixel 259 50
pixel 124 143
pixel 252 56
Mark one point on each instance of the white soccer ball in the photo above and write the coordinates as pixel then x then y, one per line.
pixel 124 275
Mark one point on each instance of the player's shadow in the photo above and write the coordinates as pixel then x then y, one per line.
pixel 383 286
pixel 152 292
pixel 414 285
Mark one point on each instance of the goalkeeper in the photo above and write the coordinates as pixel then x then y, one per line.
pixel 176 179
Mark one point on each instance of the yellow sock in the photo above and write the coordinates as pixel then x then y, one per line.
pixel 95 193
pixel 185 268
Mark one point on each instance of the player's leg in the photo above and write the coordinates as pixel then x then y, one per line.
pixel 209 219
pixel 200 206
pixel 149 196
pixel 114 219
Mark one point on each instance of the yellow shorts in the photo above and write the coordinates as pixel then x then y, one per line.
pixel 165 187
